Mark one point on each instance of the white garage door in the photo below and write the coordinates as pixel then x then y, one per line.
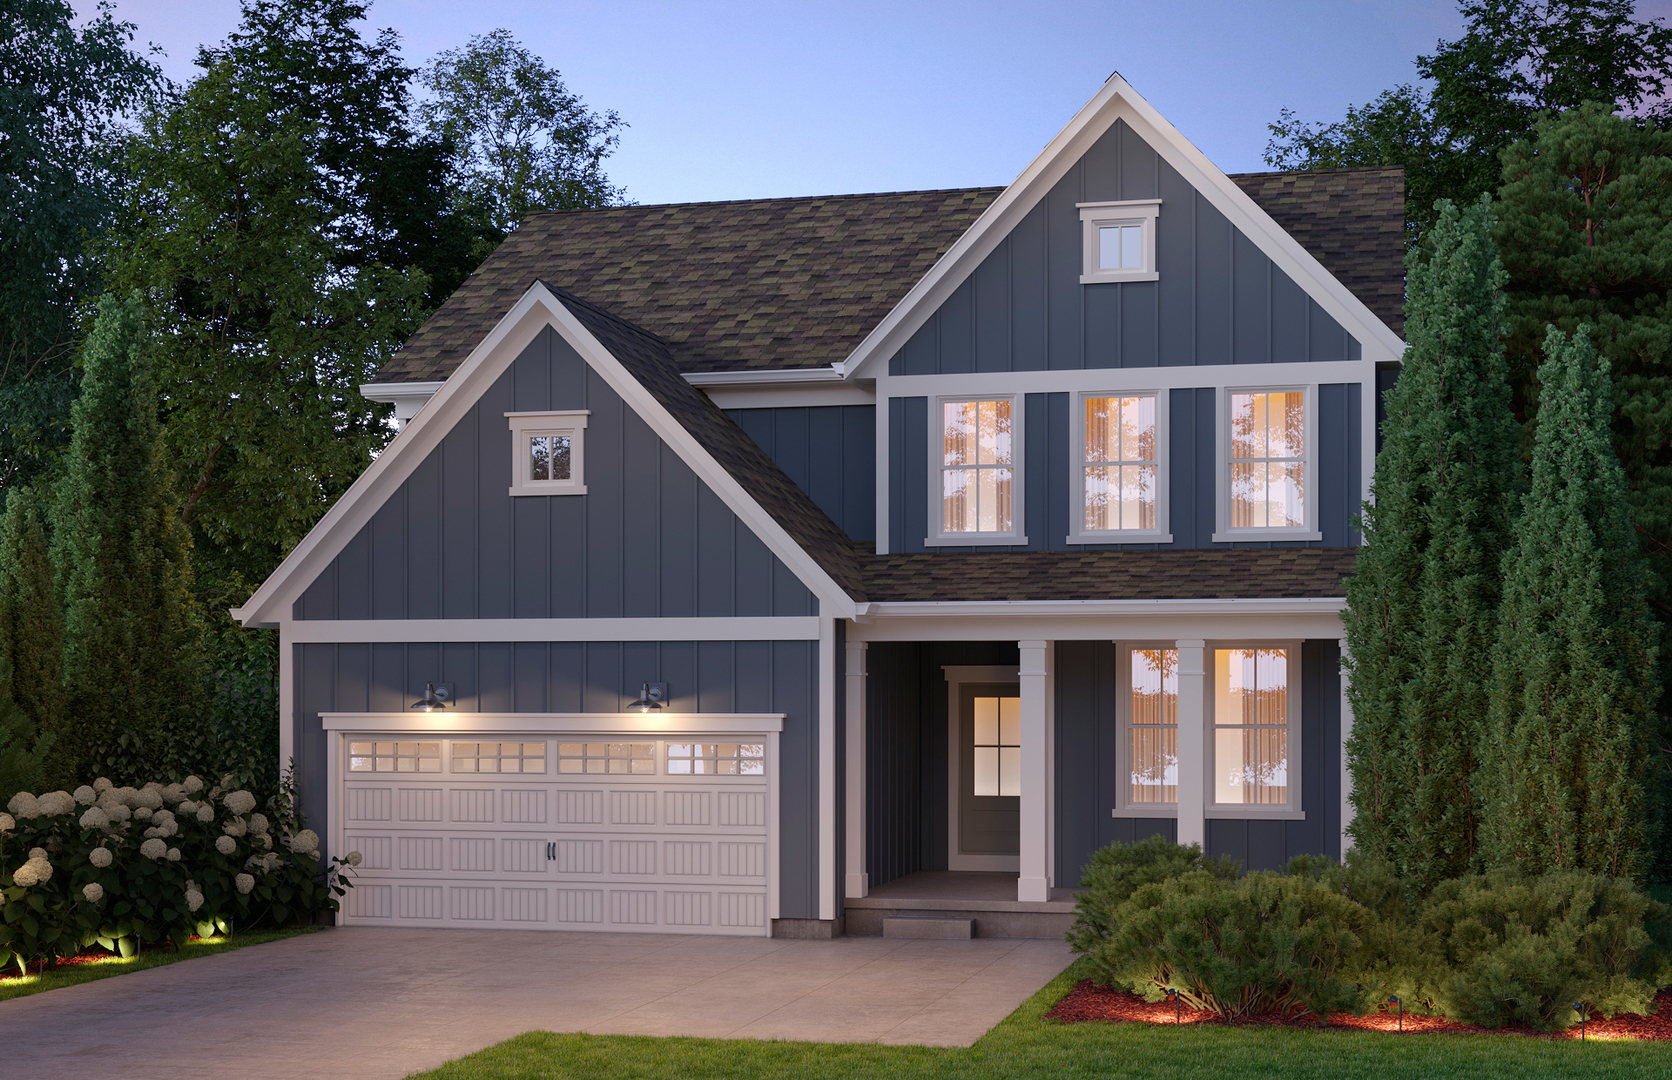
pixel 566 831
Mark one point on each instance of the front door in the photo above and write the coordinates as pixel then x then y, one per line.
pixel 989 769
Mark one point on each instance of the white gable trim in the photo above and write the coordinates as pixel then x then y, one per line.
pixel 1118 101
pixel 536 310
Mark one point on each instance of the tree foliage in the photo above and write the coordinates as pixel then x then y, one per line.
pixel 121 554
pixel 1516 60
pixel 31 626
pixel 62 88
pixel 1569 758
pixel 1421 605
pixel 525 141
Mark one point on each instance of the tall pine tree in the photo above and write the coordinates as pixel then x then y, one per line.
pixel 1421 605
pixel 1572 735
pixel 132 637
pixel 31 624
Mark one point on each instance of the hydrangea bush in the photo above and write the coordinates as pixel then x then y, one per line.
pixel 121 866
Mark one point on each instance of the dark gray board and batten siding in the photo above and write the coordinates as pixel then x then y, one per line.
pixel 647 540
pixel 1193 464
pixel 1218 300
pixel 830 451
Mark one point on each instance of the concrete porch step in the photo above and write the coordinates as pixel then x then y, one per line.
pixel 927 926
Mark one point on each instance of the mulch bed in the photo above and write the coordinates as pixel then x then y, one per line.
pixel 1090 1002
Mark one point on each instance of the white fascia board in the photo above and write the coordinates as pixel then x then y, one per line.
pixel 647 724
pixel 407 397
pixel 533 312
pixel 960 609
pixel 794 377
pixel 745 628
pixel 1118 101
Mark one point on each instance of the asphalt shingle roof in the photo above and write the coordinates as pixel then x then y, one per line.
pixel 795 283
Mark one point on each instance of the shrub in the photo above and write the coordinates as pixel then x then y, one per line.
pixel 1502 949
pixel 1115 871
pixel 120 866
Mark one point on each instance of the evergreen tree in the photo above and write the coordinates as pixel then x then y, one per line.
pixel 1421 604
pixel 1570 747
pixel 132 650
pixel 24 748
pixel 31 624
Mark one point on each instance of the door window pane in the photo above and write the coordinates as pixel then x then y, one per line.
pixel 1251 726
pixel 997 738
pixel 1154 732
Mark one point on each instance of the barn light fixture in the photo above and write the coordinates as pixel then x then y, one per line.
pixel 432 700
pixel 650 699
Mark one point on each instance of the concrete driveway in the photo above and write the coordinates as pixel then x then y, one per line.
pixel 369 1002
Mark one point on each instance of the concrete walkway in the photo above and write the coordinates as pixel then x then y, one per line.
pixel 370 1003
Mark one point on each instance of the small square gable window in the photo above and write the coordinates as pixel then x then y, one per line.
pixel 546 453
pixel 1119 240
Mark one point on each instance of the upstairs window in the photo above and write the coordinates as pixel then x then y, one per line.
pixel 1118 239
pixel 1119 470
pixel 976 476
pixel 547 453
pixel 1267 491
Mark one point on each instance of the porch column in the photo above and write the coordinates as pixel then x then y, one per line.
pixel 1035 677
pixel 858 882
pixel 1192 766
pixel 1346 773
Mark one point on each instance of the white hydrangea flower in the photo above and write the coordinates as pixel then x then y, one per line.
pixel 25 876
pixel 264 842
pixel 155 830
pixel 54 803
pixel 160 816
pixel 102 785
pixel 239 802
pixel 143 813
pixel 235 827
pixel 186 807
pixel 85 795
pixel 37 853
pixel 172 794
pixel 93 890
pixel 305 841
pixel 228 780
pixel 129 796
pixel 194 899
pixel 173 854
pixel 270 861
pixel 148 797
pixel 206 813
pixel 118 812
pixel 244 883
pixel 100 857
pixel 258 823
pixel 355 858
pixel 226 845
pixel 95 818
pixel 23 804
pixel 7 823
pixel 153 848
pixel 192 785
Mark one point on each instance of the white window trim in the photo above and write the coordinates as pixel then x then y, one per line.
pixel 1124 806
pixel 1140 212
pixel 1225 534
pixel 1018 507
pixel 1289 811
pixel 1077 532
pixel 527 424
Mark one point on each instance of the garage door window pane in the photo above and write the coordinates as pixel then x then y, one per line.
pixel 717 759
pixel 606 758
pixel 499 757
pixel 421 757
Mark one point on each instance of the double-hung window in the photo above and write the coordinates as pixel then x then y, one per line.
pixel 976 484
pixel 1120 473
pixel 1255 730
pixel 1148 751
pixel 1267 488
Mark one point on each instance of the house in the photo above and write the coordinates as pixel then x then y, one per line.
pixel 740 564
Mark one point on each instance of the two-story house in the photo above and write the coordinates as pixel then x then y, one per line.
pixel 768 566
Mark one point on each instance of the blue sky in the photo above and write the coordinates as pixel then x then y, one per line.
pixel 732 100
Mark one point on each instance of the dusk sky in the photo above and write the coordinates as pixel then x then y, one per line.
pixel 740 100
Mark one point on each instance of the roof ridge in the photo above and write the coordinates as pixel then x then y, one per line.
pixel 1319 172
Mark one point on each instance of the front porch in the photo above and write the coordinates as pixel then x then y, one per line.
pixel 987 896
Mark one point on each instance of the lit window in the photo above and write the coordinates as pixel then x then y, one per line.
pixel 1251 718
pixel 717 759
pixel 1268 460
pixel 546 453
pixel 998 745
pixel 977 477
pixel 1118 471
pixel 1119 240
pixel 394 757
pixel 1153 729
pixel 499 757
pixel 606 758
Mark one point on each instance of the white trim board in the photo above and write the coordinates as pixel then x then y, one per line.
pixel 1114 380
pixel 1118 101
pixel 535 311
pixel 346 631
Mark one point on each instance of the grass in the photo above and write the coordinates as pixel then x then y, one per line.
pixel 1026 1045
pixel 103 969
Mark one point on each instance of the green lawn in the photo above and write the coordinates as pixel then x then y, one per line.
pixel 1026 1045
pixel 103 969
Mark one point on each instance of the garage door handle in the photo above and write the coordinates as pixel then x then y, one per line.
pixel 551 851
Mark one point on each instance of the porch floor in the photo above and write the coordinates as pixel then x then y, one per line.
pixel 988 897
